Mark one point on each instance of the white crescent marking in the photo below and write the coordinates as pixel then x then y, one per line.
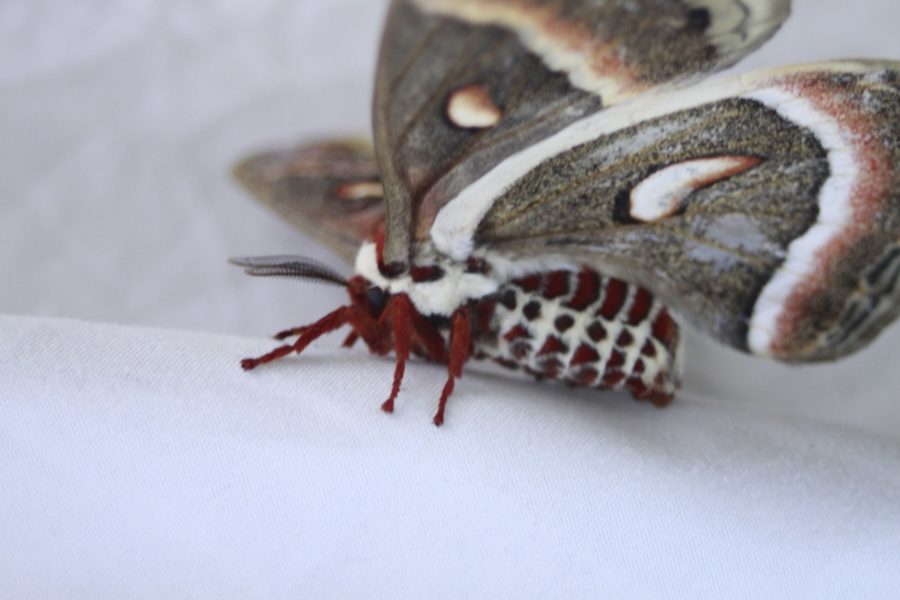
pixel 661 194
pixel 472 108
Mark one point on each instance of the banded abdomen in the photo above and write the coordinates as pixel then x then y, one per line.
pixel 584 329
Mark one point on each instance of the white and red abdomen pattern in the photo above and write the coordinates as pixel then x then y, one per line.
pixel 586 330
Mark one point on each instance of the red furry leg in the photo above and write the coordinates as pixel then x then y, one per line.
pixel 460 351
pixel 293 331
pixel 248 364
pixel 401 311
pixel 429 337
pixel 328 323
pixel 351 340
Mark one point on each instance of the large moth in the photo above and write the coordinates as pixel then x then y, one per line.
pixel 551 184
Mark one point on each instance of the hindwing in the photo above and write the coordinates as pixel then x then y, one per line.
pixel 330 190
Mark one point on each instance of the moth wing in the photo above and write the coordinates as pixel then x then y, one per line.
pixel 330 190
pixel 463 84
pixel 765 208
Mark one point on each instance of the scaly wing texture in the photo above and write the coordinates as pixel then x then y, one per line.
pixel 330 190
pixel 463 84
pixel 765 208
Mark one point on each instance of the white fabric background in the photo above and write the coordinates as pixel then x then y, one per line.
pixel 137 460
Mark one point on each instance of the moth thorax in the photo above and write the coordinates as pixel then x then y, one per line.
pixel 436 285
pixel 587 330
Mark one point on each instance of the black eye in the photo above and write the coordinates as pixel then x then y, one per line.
pixel 377 299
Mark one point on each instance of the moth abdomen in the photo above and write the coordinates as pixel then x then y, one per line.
pixel 586 330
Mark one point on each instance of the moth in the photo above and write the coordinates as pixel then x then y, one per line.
pixel 553 187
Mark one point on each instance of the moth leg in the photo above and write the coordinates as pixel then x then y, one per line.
pixel 326 324
pixel 432 343
pixel 400 310
pixel 350 340
pixel 460 352
pixel 292 332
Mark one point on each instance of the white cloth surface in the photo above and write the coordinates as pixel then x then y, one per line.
pixel 140 462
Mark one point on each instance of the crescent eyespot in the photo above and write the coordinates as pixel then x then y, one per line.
pixel 471 107
pixel 663 193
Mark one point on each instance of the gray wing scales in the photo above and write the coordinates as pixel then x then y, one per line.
pixel 588 187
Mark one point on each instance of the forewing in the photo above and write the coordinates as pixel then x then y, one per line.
pixel 463 84
pixel 330 190
pixel 766 208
